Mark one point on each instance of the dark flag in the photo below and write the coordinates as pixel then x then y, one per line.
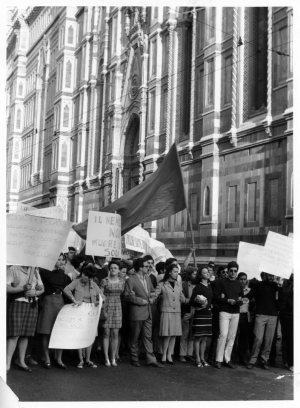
pixel 159 196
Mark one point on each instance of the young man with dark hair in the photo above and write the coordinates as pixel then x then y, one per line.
pixel 228 294
pixel 265 293
pixel 138 293
pixel 70 254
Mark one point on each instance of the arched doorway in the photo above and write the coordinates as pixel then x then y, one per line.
pixel 131 160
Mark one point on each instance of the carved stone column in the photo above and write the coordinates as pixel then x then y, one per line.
pixel 193 74
pixel 268 120
pixel 232 132
pixel 172 24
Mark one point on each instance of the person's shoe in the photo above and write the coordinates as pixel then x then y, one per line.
pixel 210 362
pixel 157 364
pixel 217 364
pixel 264 366
pixel 61 365
pixel 107 363
pixel 204 363
pixel 229 365
pixel 170 362
pixel 249 366
pixel 274 364
pixel 47 365
pixel 182 359
pixel 24 368
pixel 113 363
pixel 80 365
pixel 90 364
pixel 136 364
pixel 30 360
pixel 198 364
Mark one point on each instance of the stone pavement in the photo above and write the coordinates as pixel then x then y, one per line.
pixel 181 382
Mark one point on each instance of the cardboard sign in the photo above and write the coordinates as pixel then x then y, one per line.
pixel 249 258
pixel 34 241
pixel 277 257
pixel 73 240
pixel 103 234
pixel 24 208
pixel 49 212
pixel 75 326
pixel 160 254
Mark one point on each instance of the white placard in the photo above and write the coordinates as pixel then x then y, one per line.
pixel 249 258
pixel 34 241
pixel 75 326
pixel 25 207
pixel 103 234
pixel 49 212
pixel 160 254
pixel 73 240
pixel 137 240
pixel 277 257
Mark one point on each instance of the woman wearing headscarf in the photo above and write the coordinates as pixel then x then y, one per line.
pixel 52 301
pixel 22 310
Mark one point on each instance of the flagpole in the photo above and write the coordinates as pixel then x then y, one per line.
pixel 192 235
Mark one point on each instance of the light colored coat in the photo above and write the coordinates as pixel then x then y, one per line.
pixel 171 298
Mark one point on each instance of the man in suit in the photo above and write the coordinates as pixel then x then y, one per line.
pixel 138 290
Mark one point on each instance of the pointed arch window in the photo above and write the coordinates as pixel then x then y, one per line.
pixel 20 88
pixel 18 125
pixel 70 35
pixel 68 74
pixel 66 116
pixel 15 179
pixel 206 201
pixel 64 151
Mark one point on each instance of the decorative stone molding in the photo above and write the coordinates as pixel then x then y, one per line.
pixel 193 74
pixel 232 132
pixel 171 26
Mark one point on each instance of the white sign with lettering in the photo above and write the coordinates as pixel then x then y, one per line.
pixel 75 326
pixel 34 241
pixel 277 257
pixel 25 207
pixel 103 234
pixel 249 258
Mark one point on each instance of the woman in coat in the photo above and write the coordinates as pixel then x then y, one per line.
pixel 170 291
pixel 85 290
pixel 202 322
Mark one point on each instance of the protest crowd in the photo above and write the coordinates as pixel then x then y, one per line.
pixel 163 314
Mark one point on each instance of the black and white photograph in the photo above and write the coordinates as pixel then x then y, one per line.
pixel 149 204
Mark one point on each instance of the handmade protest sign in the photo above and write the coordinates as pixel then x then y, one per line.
pixel 277 257
pixel 34 241
pixel 103 234
pixel 75 326
pixel 24 208
pixel 249 258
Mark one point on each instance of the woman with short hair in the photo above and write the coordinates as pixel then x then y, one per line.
pixel 202 322
pixel 84 290
pixel 113 287
pixel 171 294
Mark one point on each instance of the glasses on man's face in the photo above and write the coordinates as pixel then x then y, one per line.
pixel 233 270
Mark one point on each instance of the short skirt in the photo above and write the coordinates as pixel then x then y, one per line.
pixel 21 319
pixel 202 322
pixel 51 306
pixel 170 324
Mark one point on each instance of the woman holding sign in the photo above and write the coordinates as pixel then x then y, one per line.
pixel 52 301
pixel 84 290
pixel 113 286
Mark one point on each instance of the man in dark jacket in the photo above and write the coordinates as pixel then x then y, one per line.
pixel 264 292
pixel 228 293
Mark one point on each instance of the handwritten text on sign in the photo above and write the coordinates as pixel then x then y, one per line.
pixel 277 257
pixel 34 241
pixel 75 326
pixel 103 234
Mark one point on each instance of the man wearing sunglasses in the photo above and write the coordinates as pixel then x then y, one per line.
pixel 228 294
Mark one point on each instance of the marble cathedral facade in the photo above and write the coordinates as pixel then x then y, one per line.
pixel 97 95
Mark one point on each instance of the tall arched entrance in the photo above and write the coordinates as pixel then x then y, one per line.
pixel 131 160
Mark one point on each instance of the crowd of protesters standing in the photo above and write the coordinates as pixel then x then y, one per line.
pixel 152 312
